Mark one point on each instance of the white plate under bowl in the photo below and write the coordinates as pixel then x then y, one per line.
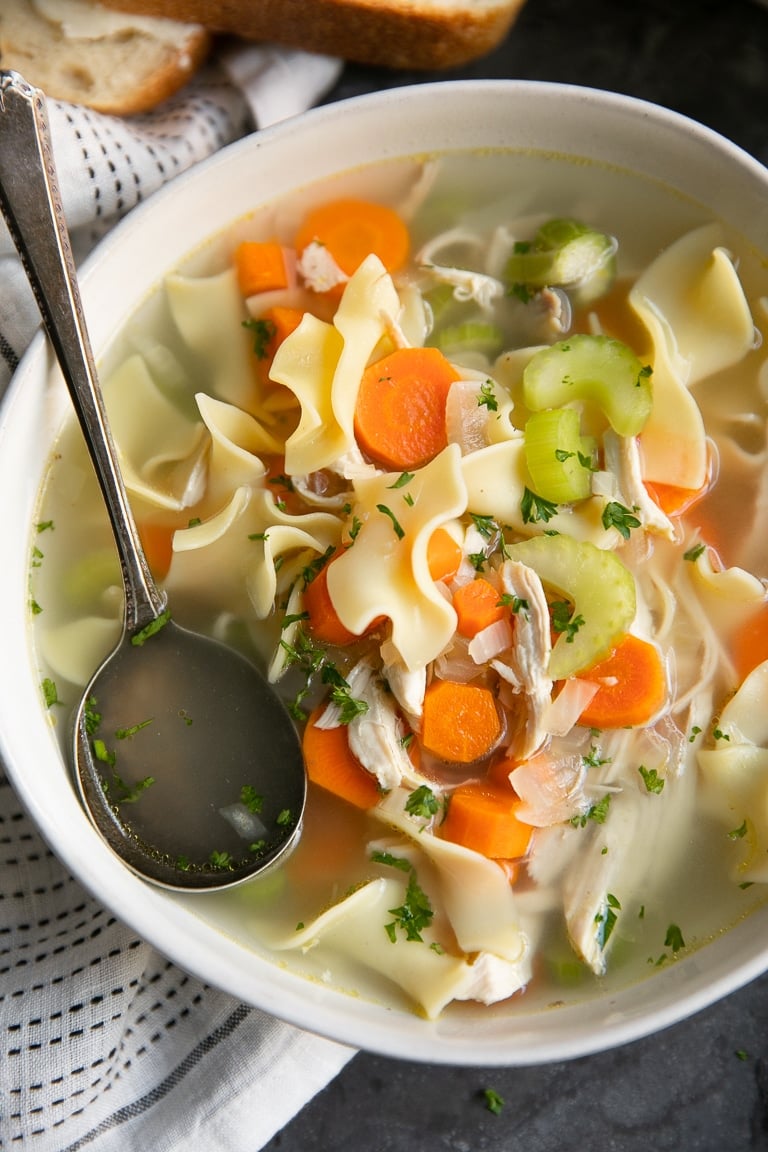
pixel 153 240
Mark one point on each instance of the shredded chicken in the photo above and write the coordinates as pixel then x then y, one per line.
pixel 318 269
pixel 376 736
pixel 622 458
pixel 529 656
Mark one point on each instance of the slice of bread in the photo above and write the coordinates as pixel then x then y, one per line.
pixel 423 34
pixel 79 51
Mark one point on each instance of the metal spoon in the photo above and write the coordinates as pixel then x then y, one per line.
pixel 186 760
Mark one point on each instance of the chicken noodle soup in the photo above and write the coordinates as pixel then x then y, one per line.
pixel 470 452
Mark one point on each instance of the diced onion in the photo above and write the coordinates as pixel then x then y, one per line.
pixel 566 708
pixel 490 641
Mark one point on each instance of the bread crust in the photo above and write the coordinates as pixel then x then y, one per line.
pixel 384 33
pixel 118 74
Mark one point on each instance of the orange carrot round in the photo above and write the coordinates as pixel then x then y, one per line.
pixel 460 722
pixel 353 229
pixel 400 409
pixel 260 267
pixel 324 622
pixel 443 555
pixel 633 686
pixel 750 643
pixel 672 500
pixel 157 542
pixel 484 818
pixel 332 766
pixel 477 606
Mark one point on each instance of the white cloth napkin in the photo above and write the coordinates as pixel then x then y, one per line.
pixel 104 1043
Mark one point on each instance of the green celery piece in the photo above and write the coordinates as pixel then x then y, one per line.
pixel 595 368
pixel 470 336
pixel 568 254
pixel 600 587
pixel 553 445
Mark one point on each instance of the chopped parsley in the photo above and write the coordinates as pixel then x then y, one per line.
pixel 263 331
pixel 414 914
pixel 403 479
pixel 598 813
pixel 616 516
pixel 44 525
pixel 251 799
pixel 740 832
pixel 653 782
pixel 422 802
pixel 392 861
pixel 399 530
pixel 127 733
pixel 534 508
pixel 563 619
pixel 493 1102
pixel 607 918
pixel 220 859
pixel 486 525
pixel 694 552
pixel 151 629
pixel 487 397
pixel 50 692
pixel 674 938
pixel 593 759
pixel 130 794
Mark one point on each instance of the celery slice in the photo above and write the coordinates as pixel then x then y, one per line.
pixel 596 368
pixel 557 457
pixel 471 336
pixel 567 253
pixel 600 587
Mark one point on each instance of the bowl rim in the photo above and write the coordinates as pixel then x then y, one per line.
pixel 165 921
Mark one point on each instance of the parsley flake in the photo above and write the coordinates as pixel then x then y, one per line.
pixel 151 629
pixel 263 332
pixel 535 508
pixel 616 516
pixel 399 530
pixel 653 782
pixel 487 397
pixel 564 621
pixel 422 802
pixel 414 915
pixel 493 1102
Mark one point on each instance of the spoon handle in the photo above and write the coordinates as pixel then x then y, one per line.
pixel 30 201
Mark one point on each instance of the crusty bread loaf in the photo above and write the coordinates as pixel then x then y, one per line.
pixel 427 34
pixel 79 51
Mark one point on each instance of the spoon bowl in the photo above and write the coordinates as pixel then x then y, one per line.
pixel 188 764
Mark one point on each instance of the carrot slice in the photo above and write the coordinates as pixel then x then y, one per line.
pixel 672 500
pixel 460 722
pixel 484 818
pixel 443 555
pixel 353 229
pixel 477 606
pixel 260 266
pixel 157 542
pixel 324 622
pixel 281 321
pixel 400 409
pixel 633 686
pixel 750 643
pixel 332 766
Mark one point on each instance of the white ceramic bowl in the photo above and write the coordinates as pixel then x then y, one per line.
pixel 403 121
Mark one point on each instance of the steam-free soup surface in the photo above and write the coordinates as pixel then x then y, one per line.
pixel 469 451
